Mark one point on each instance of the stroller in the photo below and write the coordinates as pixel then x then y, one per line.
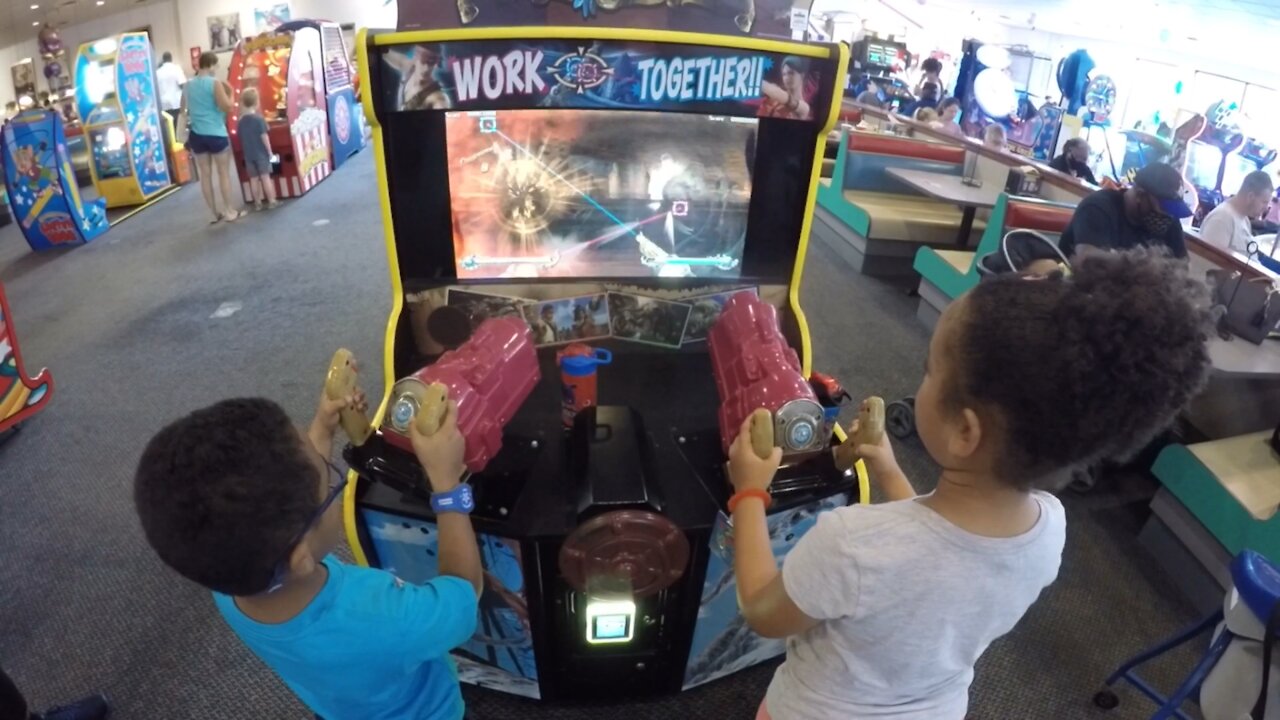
pixel 1018 250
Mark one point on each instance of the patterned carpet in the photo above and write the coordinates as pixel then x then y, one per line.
pixel 125 325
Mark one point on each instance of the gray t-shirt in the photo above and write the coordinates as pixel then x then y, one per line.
pixel 251 128
pixel 908 603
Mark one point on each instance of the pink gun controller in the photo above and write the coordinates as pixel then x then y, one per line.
pixel 488 377
pixel 758 374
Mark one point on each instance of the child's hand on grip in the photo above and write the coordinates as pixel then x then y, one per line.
pixel 328 409
pixel 441 453
pixel 747 470
pixel 878 456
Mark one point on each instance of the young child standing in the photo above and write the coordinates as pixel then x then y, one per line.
pixel 234 498
pixel 252 130
pixel 888 607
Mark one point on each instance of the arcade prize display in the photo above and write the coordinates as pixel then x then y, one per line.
pixel 21 395
pixel 581 260
pixel 1209 154
pixel 116 98
pixel 41 184
pixel 304 81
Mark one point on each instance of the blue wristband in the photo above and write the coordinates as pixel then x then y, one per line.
pixel 458 500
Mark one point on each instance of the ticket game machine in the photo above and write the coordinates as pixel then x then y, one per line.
pixel 41 184
pixel 346 117
pixel 597 184
pixel 304 87
pixel 116 99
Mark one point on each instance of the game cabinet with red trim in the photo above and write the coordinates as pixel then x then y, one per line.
pixel 283 68
pixel 21 395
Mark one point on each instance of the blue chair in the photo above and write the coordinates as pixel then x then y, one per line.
pixel 1256 580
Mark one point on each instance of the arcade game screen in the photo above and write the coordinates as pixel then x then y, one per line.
pixel 1203 161
pixel 598 193
pixel 110 151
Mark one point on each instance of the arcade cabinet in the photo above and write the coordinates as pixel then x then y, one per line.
pixel 1209 153
pixel 305 94
pixel 41 184
pixel 615 185
pixel 116 98
pixel 992 85
pixel 879 59
pixel 21 395
pixel 1253 155
pixel 346 116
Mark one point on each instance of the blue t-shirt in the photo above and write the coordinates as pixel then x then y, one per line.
pixel 369 646
pixel 204 117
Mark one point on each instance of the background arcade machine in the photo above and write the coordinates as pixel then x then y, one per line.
pixel 41 184
pixel 116 98
pixel 879 59
pixel 991 84
pixel 305 94
pixel 346 116
pixel 1253 155
pixel 601 188
pixel 1209 154
pixel 21 395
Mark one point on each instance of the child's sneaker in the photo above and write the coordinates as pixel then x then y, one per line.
pixel 274 204
pixel 258 206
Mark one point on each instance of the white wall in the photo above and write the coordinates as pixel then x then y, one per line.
pixel 159 16
pixel 193 27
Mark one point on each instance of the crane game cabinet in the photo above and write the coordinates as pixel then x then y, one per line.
pixel 596 237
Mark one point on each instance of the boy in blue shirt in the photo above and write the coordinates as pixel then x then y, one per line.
pixel 236 499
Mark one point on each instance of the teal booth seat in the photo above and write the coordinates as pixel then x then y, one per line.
pixel 947 274
pixel 1231 486
pixel 875 220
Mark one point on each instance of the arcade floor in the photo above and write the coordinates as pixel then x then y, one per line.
pixel 165 314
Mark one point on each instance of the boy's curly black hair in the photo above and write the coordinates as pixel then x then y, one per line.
pixel 224 491
pixel 1082 369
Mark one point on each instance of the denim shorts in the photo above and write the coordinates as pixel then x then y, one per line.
pixel 212 144
pixel 257 167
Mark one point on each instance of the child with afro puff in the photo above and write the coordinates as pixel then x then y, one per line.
pixel 886 608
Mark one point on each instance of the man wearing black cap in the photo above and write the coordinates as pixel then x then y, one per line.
pixel 1147 214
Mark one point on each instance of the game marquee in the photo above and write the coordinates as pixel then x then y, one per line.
pixel 601 75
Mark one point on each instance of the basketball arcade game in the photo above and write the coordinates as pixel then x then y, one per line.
pixel 305 94
pixel 568 161
pixel 116 99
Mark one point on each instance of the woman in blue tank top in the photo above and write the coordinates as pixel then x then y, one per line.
pixel 207 101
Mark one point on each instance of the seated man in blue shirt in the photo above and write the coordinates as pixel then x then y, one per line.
pixel 235 498
pixel 1147 214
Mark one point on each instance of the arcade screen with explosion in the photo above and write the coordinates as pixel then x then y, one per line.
pixel 598 193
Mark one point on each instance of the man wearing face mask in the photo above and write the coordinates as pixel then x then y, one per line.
pixel 1147 214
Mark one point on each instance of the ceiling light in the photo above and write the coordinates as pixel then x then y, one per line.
pixel 35 23
pixel 35 7
pixel 102 2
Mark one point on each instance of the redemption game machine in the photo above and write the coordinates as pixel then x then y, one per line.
pixel 623 176
pixel 305 93
pixel 116 99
